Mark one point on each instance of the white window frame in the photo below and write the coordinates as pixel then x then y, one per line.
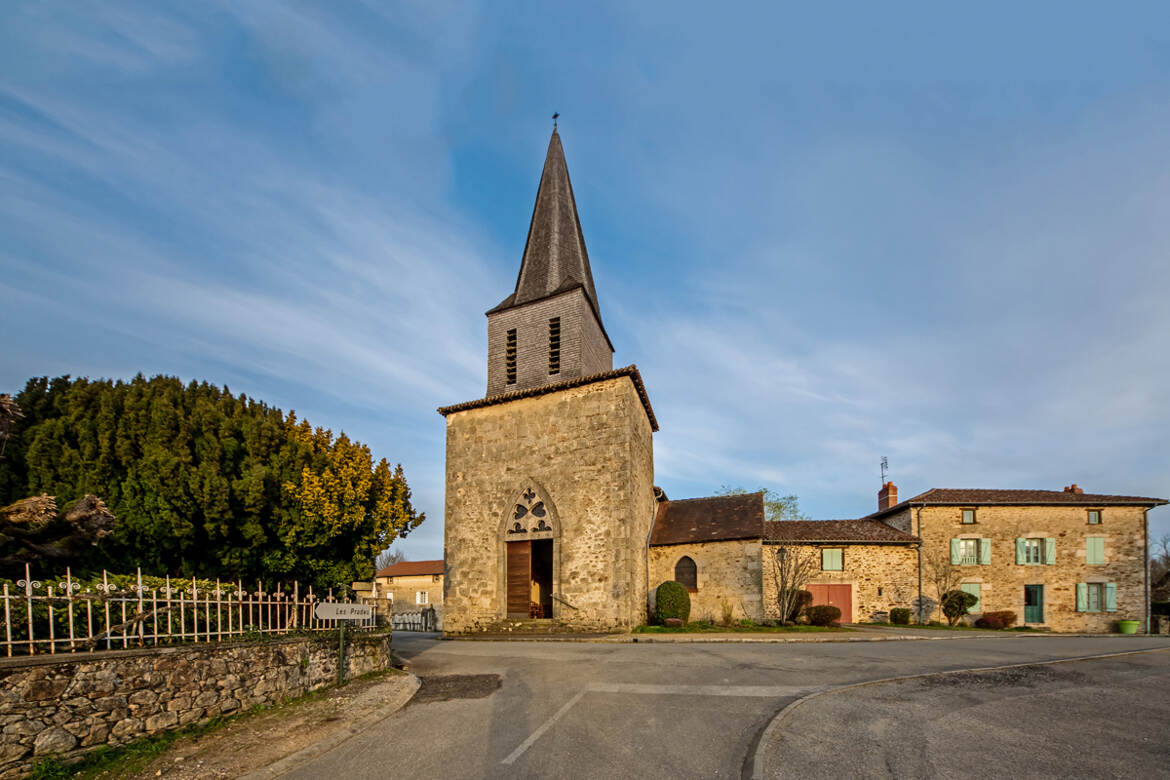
pixel 968 552
pixel 1034 544
pixel 422 597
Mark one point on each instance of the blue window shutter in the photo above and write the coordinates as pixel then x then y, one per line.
pixel 1019 551
pixel 1050 551
pixel 985 551
pixel 1111 597
pixel 976 590
pixel 1082 597
pixel 956 554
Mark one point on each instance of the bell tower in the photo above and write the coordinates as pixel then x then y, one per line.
pixel 549 329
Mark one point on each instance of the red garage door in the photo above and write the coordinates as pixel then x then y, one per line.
pixel 840 596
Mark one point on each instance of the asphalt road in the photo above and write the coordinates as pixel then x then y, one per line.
pixel 567 710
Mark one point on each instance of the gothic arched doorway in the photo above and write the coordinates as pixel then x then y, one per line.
pixel 529 554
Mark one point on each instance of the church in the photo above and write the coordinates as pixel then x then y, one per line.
pixel 552 514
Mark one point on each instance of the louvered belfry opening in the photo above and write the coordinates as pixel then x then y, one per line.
pixel 510 357
pixel 554 345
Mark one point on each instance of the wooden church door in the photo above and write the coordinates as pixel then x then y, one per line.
pixel 519 578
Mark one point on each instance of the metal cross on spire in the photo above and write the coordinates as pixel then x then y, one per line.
pixel 555 115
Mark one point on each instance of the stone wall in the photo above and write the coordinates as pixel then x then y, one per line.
pixel 588 453
pixel 881 576
pixel 1002 580
pixel 70 704
pixel 726 572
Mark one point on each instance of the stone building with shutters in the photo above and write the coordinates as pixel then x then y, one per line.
pixel 551 512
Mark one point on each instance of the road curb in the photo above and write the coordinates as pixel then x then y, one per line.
pixel 757 763
pixel 323 746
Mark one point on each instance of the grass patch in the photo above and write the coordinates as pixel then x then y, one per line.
pixel 702 627
pixel 128 759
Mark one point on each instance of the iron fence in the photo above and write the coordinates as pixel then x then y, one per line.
pixel 66 616
pixel 424 620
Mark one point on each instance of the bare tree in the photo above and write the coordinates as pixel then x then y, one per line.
pixel 943 575
pixel 388 557
pixel 33 530
pixel 9 413
pixel 1160 568
pixel 792 567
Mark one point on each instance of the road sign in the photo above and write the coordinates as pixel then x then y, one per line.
pixel 334 610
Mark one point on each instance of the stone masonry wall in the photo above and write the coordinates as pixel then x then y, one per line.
pixel 727 572
pixel 589 452
pixel 882 576
pixel 1002 581
pixel 70 704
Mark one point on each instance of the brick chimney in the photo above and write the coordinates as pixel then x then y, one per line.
pixel 887 496
pixel 1074 489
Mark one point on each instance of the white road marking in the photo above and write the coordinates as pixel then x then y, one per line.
pixel 519 751
pixel 745 691
pixel 764 691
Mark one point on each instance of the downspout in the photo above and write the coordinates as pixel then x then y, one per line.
pixel 919 534
pixel 1146 550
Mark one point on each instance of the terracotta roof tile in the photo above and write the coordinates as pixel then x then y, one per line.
pixel 631 371
pixel 710 519
pixel 412 569
pixel 834 531
pixel 980 496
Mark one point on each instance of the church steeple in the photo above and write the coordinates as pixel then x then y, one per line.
pixel 555 259
pixel 549 329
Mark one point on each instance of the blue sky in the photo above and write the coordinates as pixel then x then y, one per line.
pixel 824 235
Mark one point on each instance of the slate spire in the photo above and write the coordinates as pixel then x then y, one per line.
pixel 555 259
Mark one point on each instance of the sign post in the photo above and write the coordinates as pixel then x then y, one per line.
pixel 336 610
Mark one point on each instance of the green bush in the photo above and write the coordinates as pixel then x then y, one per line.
pixel 900 616
pixel 823 614
pixel 671 600
pixel 956 603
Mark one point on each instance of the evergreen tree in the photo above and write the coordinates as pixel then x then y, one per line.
pixel 205 483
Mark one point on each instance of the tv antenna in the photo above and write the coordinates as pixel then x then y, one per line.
pixel 885 469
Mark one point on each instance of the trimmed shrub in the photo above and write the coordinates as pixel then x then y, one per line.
pixel 823 614
pixel 956 603
pixel 1001 619
pixel 900 616
pixel 1005 616
pixel 671 600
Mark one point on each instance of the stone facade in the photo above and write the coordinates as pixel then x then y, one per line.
pixel 727 573
pixel 587 452
pixel 1002 580
pixel 68 705
pixel 584 348
pixel 403 592
pixel 880 576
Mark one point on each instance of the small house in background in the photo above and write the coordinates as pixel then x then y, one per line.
pixel 407 586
